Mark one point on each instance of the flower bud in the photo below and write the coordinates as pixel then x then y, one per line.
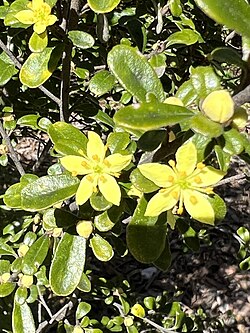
pixel 84 228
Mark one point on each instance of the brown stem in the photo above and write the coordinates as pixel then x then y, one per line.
pixel 11 150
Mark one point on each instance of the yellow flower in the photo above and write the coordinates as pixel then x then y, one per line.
pixel 184 181
pixel 99 171
pixel 38 14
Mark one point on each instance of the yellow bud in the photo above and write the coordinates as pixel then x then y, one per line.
pixel 138 311
pixel 5 277
pixel 26 281
pixel 3 149
pixel 173 101
pixel 128 321
pixel 240 118
pixel 218 106
pixel 84 228
pixel 23 249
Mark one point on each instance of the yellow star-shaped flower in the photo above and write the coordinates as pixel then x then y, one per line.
pixel 184 181
pixel 100 171
pixel 38 14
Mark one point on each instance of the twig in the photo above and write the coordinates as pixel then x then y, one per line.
pixel 42 156
pixel 11 150
pixel 19 65
pixel 158 327
pixel 66 307
pixel 230 179
pixel 42 301
pixel 242 97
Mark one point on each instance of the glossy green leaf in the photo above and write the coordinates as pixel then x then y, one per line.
pixel 68 140
pixel 103 222
pixel 150 116
pixel 219 207
pixel 103 6
pixel 35 255
pixel 22 319
pixel 15 7
pixel 205 126
pixel 185 36
pixel 47 191
pixel 203 80
pixel 82 309
pixel 37 43
pixel 142 183
pixel 234 141
pixel 163 262
pixel 29 120
pixel 118 141
pixel 12 197
pixel 99 203
pixel 134 73
pixel 234 14
pixel 146 236
pixel 39 67
pixel 67 264
pixel 7 69
pixel 175 7
pixel 101 83
pixel 101 248
pixel 81 39
pixel 158 62
pixel 58 218
pixel 84 283
pixel 244 234
pixel 223 158
pixel 21 295
pixel 227 55
pixel 6 288
pixel 150 140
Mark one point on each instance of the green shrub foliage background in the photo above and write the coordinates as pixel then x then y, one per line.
pixel 116 92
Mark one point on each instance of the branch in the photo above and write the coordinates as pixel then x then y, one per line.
pixel 242 97
pixel 11 150
pixel 19 65
pixel 238 177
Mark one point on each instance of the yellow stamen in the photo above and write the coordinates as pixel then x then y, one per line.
pixel 198 180
pixel 106 163
pixel 96 158
pixel 175 195
pixel 193 200
pixel 95 189
pixel 171 179
pixel 74 173
pixel 209 190
pixel 183 174
pixel 102 179
pixel 89 178
pixel 200 165
pixel 180 210
pixel 171 163
pixel 85 164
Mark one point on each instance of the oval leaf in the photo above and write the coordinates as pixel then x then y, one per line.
pixel 101 248
pixel 68 264
pixel 47 191
pixel 22 319
pixel 35 255
pixel 81 39
pixel 146 236
pixel 134 73
pixel 100 6
pixel 101 83
pixel 185 36
pixel 39 67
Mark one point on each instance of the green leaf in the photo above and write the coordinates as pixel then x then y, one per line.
pixel 185 36
pixel 39 66
pixel 244 234
pixel 175 7
pixel 35 255
pixel 82 309
pixel 158 62
pixel 68 140
pixel 234 14
pixel 37 43
pixel 219 207
pixel 103 222
pixel 101 248
pixel 134 73
pixel 81 39
pixel 22 319
pixel 141 183
pixel 205 126
pixel 223 158
pixel 84 283
pixel 103 6
pixel 234 142
pixel 149 141
pixel 227 55
pixel 99 203
pixel 101 83
pixel 29 120
pixel 7 70
pixel 146 236
pixel 67 264
pixel 47 191
pixel 163 262
pixel 150 116
pixel 118 141
pixel 6 288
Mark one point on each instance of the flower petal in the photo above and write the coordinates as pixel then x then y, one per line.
pixel 25 16
pixel 116 162
pixel 198 206
pixel 51 20
pixel 206 177
pixel 85 190
pixel 37 4
pixel 76 164
pixel 186 158
pixel 109 189
pixel 161 175
pixel 162 201
pixel 39 27
pixel 95 147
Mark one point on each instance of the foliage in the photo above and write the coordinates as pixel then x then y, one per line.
pixel 133 103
